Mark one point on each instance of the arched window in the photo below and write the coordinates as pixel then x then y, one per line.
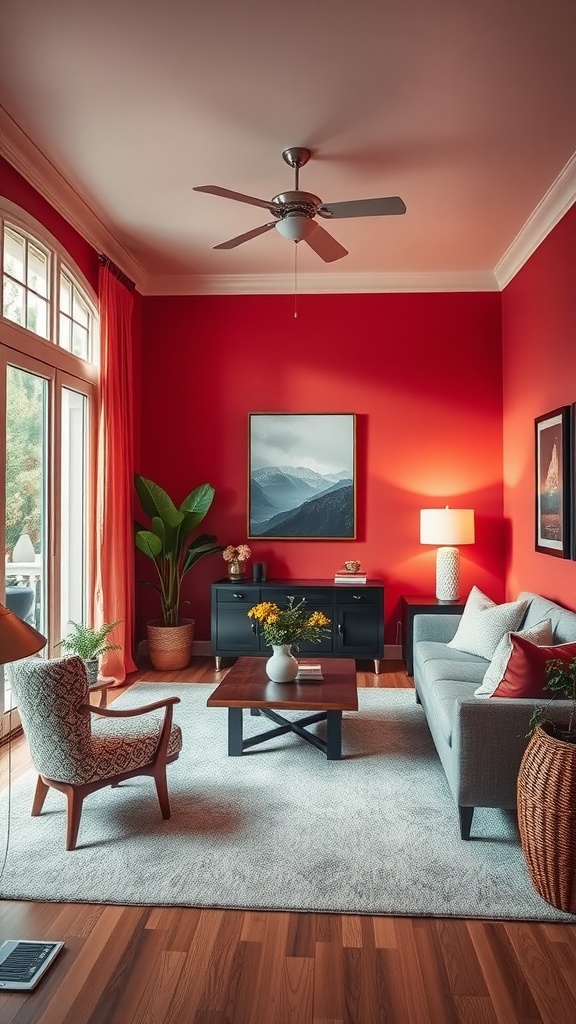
pixel 48 385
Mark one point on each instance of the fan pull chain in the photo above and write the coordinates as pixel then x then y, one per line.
pixel 295 280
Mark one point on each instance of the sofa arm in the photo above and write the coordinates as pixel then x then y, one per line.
pixel 439 628
pixel 489 738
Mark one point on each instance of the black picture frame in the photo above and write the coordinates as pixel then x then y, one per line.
pixel 553 483
pixel 302 476
pixel 573 478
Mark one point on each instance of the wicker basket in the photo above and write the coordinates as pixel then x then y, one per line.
pixel 547 816
pixel 170 647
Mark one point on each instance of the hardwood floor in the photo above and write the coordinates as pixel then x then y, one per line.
pixel 155 965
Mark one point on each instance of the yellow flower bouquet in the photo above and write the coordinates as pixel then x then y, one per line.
pixel 290 625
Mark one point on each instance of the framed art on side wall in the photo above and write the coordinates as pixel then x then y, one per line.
pixel 553 482
pixel 573 478
pixel 302 476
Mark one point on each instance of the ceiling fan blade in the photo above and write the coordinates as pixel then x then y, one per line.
pixel 363 208
pixel 327 248
pixel 215 190
pixel 233 242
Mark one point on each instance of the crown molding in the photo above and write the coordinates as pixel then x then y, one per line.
pixel 34 166
pixel 320 284
pixel 26 157
pixel 558 199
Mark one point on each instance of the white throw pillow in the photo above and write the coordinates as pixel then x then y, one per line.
pixel 540 633
pixel 484 623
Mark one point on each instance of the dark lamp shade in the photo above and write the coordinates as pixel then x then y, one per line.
pixel 17 638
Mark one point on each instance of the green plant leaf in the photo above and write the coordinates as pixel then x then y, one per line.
pixel 148 543
pixel 156 502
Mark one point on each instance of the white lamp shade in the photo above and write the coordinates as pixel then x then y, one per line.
pixel 296 226
pixel 447 526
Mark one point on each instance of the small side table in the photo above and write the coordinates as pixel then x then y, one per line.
pixel 412 606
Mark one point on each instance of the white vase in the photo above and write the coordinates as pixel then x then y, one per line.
pixel 282 667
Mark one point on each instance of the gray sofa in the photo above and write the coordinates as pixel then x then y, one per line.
pixel 480 742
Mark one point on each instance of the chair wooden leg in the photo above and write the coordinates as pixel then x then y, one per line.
pixel 75 800
pixel 162 790
pixel 39 797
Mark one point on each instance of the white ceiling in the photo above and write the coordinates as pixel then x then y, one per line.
pixel 464 108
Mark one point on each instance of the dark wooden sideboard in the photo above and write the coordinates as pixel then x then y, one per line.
pixel 356 614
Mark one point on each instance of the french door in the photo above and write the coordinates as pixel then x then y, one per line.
pixel 47 435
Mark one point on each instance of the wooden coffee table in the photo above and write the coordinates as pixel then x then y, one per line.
pixel 247 686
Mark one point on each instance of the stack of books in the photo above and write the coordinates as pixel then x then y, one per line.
pixel 342 576
pixel 306 670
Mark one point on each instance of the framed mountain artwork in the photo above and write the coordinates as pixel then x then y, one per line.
pixel 552 464
pixel 302 476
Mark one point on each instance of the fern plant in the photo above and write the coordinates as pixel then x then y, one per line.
pixel 87 642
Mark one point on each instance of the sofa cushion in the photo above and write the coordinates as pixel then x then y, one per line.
pixel 525 674
pixel 484 623
pixel 441 701
pixel 540 633
pixel 563 620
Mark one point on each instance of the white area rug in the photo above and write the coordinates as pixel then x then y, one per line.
pixel 281 827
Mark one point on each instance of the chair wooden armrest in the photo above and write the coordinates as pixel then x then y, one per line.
pixel 130 712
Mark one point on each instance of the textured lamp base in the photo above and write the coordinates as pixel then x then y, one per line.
pixel 448 574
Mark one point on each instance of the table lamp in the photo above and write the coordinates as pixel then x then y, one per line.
pixel 447 527
pixel 17 638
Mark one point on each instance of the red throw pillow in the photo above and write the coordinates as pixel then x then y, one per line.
pixel 525 674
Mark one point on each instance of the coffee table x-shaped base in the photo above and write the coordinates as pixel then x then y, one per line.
pixel 331 746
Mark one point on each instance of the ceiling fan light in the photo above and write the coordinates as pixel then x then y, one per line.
pixel 296 226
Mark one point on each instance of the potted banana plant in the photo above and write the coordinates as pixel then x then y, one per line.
pixel 169 542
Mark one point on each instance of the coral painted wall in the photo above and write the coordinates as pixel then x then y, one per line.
pixel 421 371
pixel 539 372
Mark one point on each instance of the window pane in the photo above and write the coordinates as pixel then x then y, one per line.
pixel 26 419
pixel 80 341
pixel 65 294
pixel 14 253
pixel 37 315
pixel 13 301
pixel 37 270
pixel 80 310
pixel 65 336
pixel 73 597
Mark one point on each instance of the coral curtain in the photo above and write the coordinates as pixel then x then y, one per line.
pixel 115 548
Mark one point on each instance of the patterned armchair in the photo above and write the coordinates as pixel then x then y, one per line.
pixel 77 748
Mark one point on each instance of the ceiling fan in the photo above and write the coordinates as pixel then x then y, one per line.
pixel 295 212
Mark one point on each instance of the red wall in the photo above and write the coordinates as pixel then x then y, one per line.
pixel 421 371
pixel 14 187
pixel 539 368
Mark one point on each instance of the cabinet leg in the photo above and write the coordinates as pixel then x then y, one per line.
pixel 377 666
pixel 218 662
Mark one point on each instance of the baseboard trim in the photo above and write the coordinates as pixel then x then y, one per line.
pixel 203 648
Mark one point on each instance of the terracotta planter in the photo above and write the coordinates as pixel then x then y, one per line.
pixel 170 647
pixel 547 816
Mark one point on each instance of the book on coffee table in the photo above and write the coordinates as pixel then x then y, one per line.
pixel 309 671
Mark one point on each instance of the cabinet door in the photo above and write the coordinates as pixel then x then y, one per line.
pixel 359 624
pixel 232 630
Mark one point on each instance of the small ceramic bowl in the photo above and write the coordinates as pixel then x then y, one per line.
pixel 351 566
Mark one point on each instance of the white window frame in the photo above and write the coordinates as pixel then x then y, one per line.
pixel 22 347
